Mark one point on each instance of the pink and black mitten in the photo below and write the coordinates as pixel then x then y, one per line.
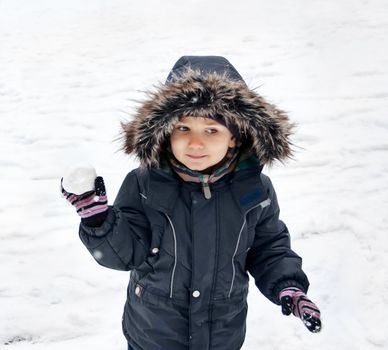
pixel 293 300
pixel 91 204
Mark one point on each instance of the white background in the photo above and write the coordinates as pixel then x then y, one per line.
pixel 71 70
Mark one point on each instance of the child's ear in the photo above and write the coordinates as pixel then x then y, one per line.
pixel 232 142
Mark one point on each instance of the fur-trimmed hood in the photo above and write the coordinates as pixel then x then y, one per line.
pixel 207 86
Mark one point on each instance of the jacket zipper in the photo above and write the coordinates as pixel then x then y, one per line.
pixel 175 255
pixel 263 204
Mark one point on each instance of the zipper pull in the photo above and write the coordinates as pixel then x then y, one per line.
pixel 206 188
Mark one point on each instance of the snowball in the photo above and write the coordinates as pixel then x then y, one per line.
pixel 79 179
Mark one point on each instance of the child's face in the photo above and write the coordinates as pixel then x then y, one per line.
pixel 200 143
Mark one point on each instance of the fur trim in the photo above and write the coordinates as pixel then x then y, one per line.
pixel 264 129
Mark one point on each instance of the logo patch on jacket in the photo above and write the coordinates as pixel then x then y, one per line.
pixel 250 197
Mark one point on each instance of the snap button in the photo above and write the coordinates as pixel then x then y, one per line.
pixel 155 250
pixel 137 290
pixel 196 293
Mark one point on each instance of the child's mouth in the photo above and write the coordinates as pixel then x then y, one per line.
pixel 195 156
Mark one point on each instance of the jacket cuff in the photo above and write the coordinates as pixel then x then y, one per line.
pixel 103 228
pixel 95 220
pixel 286 284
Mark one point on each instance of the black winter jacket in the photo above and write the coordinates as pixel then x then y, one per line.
pixel 189 256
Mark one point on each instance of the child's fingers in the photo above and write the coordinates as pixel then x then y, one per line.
pixel 312 323
pixel 286 305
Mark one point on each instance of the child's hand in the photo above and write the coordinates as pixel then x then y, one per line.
pixel 295 301
pixel 89 203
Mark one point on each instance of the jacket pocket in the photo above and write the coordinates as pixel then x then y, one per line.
pixel 152 317
pixel 229 322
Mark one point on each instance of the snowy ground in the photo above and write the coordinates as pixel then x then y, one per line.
pixel 69 72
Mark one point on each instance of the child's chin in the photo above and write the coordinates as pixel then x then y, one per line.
pixel 196 168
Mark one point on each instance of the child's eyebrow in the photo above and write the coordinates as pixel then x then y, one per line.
pixel 211 122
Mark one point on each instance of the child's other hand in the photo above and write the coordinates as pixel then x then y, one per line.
pixel 89 203
pixel 294 301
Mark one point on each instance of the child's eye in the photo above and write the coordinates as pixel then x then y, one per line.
pixel 211 131
pixel 182 128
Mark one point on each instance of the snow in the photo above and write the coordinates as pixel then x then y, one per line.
pixel 72 70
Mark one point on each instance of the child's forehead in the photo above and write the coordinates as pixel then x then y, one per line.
pixel 202 120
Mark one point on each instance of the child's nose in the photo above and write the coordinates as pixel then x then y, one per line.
pixel 195 142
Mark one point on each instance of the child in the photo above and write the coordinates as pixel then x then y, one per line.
pixel 198 214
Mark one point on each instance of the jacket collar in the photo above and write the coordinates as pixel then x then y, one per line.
pixel 162 189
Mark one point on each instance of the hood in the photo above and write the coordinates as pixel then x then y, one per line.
pixel 207 86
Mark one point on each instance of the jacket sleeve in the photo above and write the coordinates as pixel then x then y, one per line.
pixel 270 261
pixel 122 241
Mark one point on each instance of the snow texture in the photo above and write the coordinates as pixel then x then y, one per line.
pixel 72 70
